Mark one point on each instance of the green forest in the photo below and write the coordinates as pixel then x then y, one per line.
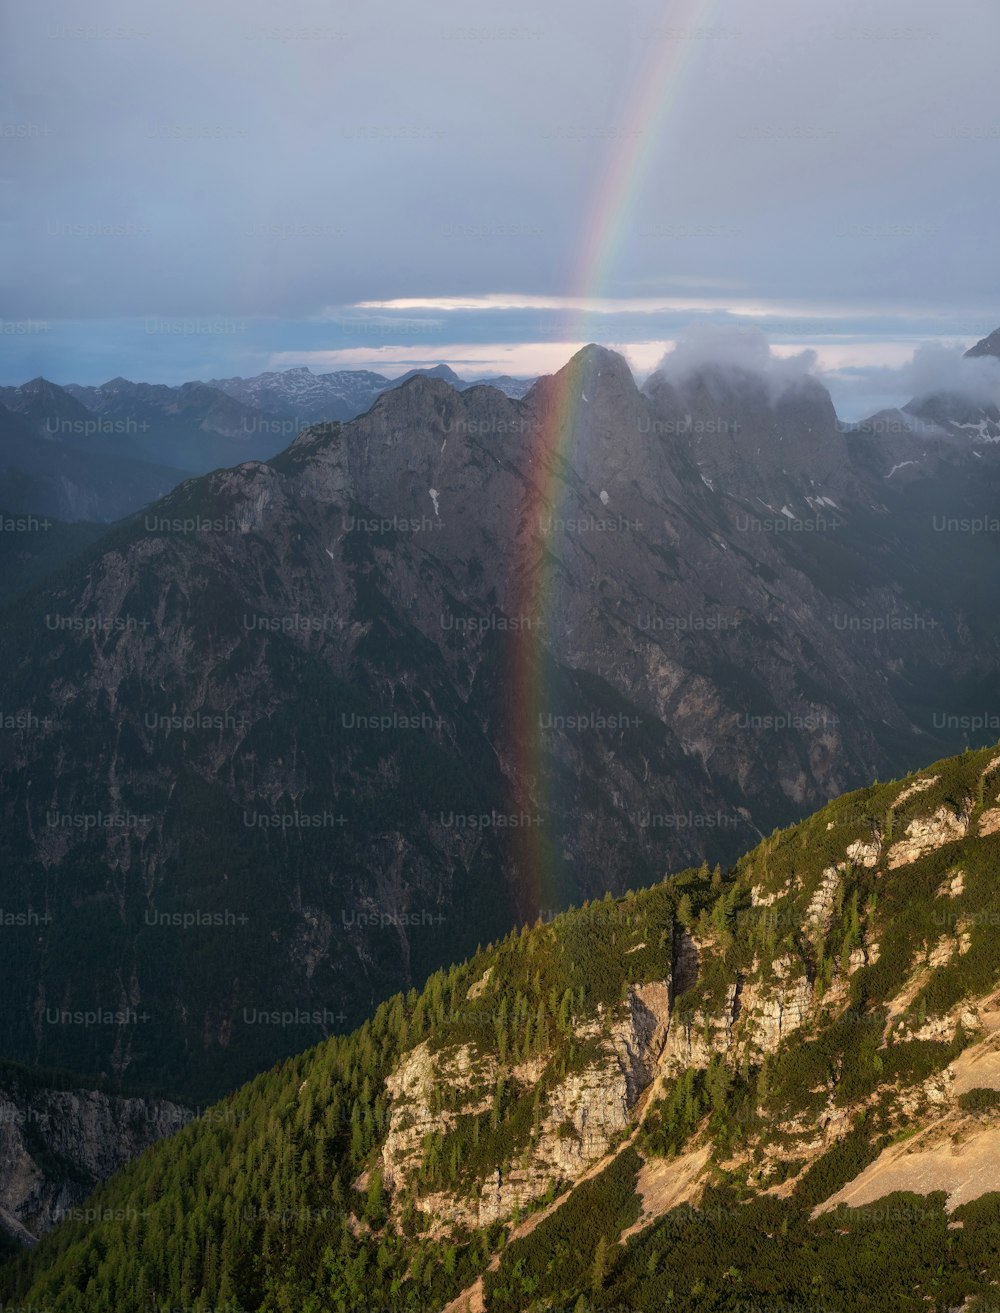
pixel 276 1201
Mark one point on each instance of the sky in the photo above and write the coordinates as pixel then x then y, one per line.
pixel 208 189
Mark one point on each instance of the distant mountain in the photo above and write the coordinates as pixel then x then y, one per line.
pixel 101 453
pixel 443 372
pixel 646 640
pixel 958 416
pixel 299 394
pixel 194 427
pixel 934 430
pixel 510 387
pixel 51 411
pixel 111 449
pixel 63 477
pixel 775 1087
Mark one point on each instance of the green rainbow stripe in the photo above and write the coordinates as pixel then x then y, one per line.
pixel 656 93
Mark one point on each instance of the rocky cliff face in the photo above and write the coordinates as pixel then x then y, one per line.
pixel 56 1145
pixel 585 1112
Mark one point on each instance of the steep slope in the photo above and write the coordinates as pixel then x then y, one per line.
pixel 314 623
pixel 655 1101
pixel 287 688
pixel 33 547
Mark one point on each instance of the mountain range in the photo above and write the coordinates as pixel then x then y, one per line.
pixel 299 393
pixel 99 453
pixel 308 728
pixel 775 1087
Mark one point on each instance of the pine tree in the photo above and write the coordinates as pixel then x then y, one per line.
pixel 373 1202
pixel 599 1270
pixel 566 1012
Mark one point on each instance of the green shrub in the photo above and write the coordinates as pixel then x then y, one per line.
pixel 979 1100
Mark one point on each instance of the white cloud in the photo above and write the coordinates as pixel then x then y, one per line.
pixel 936 367
pixel 860 374
pixel 869 375
pixel 761 308
pixel 734 348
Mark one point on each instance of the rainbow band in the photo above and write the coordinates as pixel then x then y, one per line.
pixel 657 90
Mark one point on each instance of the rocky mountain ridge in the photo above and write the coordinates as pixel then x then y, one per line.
pixel 342 394
pixel 101 452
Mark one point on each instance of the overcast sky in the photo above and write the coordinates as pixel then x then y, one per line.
pixel 206 189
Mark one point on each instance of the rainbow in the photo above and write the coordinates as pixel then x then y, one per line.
pixel 656 92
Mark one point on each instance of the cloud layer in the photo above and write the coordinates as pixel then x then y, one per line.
pixel 231 160
pixel 735 348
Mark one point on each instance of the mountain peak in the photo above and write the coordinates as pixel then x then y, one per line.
pixel 595 354
pixel 987 346
pixel 592 363
pixel 418 384
pixel 440 371
pixel 40 394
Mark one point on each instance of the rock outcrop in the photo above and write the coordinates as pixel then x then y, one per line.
pixel 924 834
pixel 581 1115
